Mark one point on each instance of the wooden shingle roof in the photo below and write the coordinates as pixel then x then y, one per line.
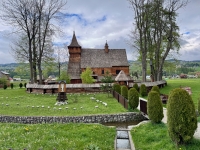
pixel 74 42
pixel 74 70
pixel 121 76
pixel 98 58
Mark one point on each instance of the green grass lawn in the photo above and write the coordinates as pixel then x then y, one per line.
pixel 58 136
pixel 80 136
pixel 155 137
pixel 19 103
pixel 176 83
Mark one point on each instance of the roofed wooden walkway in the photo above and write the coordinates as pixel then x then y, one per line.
pixel 83 87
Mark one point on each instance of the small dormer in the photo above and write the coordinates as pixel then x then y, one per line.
pixel 106 47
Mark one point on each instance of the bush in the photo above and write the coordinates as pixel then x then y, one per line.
pixel 136 86
pixel 20 85
pixel 25 85
pixel 199 106
pixel 64 76
pixel 86 76
pixel 5 86
pixel 154 107
pixel 3 80
pixel 155 88
pixel 11 85
pixel 181 116
pixel 117 88
pixel 133 98
pixel 143 90
pixel 124 91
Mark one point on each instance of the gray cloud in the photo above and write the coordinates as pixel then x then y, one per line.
pixel 97 21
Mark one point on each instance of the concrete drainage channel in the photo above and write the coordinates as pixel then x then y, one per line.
pixel 122 140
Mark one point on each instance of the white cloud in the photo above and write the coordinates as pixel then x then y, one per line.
pixel 97 21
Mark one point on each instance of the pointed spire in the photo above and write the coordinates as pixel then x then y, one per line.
pixel 106 47
pixel 74 42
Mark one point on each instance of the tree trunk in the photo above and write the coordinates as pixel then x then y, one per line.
pixel 30 61
pixel 34 61
pixel 40 73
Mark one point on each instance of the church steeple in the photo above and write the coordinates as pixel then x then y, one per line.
pixel 106 47
pixel 74 42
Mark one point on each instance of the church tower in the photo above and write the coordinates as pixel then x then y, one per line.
pixel 74 69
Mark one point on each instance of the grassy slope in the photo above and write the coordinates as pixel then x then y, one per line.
pixel 155 137
pixel 59 136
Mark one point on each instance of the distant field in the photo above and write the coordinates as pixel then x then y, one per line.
pixel 176 83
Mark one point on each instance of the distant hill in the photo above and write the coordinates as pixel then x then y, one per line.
pixel 173 60
pixel 8 66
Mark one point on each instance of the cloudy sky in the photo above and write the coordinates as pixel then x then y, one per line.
pixel 96 22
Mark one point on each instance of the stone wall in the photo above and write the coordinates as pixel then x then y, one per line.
pixel 124 117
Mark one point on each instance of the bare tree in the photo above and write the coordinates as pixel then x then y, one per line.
pixel 46 12
pixel 61 56
pixel 156 32
pixel 17 13
pixel 33 19
pixel 141 22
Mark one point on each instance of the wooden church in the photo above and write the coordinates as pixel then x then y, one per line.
pixel 99 60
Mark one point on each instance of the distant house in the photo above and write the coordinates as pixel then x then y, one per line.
pixel 17 79
pixel 4 74
pixel 99 60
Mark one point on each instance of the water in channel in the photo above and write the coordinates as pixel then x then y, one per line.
pixel 122 141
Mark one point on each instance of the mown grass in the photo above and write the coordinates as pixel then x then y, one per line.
pixel 56 136
pixel 151 136
pixel 177 83
pixel 155 136
pixel 147 136
pixel 17 102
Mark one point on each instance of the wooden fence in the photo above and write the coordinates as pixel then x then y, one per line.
pixel 143 105
pixel 123 101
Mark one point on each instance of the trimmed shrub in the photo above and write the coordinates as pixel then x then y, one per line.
pixel 124 91
pixel 143 90
pixel 133 98
pixel 5 86
pixel 25 85
pixel 135 85
pixel 181 116
pixel 117 88
pixel 199 106
pixel 155 88
pixel 154 107
pixel 11 85
pixel 20 85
